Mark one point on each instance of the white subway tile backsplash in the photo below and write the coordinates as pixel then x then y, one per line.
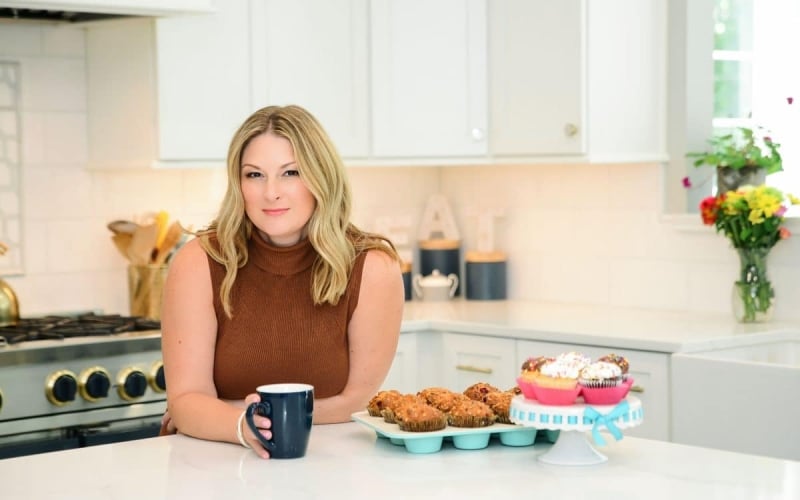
pixel 32 135
pixel 647 283
pixel 53 84
pixel 65 139
pixel 17 40
pixel 64 40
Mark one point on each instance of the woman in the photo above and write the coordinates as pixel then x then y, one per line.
pixel 281 287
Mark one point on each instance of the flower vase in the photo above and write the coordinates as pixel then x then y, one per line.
pixel 753 293
pixel 731 179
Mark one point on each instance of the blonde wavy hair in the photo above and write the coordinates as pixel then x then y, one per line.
pixel 336 240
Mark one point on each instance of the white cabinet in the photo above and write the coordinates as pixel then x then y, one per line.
pixel 167 90
pixel 468 359
pixel 402 375
pixel 537 77
pixel 172 91
pixel 650 371
pixel 428 78
pixel 578 79
pixel 314 53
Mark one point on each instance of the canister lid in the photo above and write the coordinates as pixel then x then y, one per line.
pixel 493 256
pixel 439 244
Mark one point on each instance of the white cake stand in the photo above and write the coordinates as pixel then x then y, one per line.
pixel 572 446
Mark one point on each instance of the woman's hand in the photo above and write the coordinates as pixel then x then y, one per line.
pixel 263 423
pixel 167 425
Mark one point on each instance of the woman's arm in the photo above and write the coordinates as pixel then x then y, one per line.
pixel 372 334
pixel 188 338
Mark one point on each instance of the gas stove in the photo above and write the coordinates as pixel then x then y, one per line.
pixel 71 381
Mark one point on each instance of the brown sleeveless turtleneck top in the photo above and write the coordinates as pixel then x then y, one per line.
pixel 277 334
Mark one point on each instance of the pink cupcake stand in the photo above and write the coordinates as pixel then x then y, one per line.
pixel 573 422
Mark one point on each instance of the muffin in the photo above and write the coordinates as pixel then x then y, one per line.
pixel 392 405
pixel 440 398
pixel 500 403
pixel 470 413
pixel 378 402
pixel 420 417
pixel 479 391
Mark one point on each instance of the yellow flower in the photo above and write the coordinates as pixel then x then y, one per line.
pixel 793 199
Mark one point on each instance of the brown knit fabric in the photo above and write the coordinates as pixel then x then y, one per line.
pixel 277 334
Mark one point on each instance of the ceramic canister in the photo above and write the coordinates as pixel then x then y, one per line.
pixel 405 267
pixel 486 275
pixel 443 255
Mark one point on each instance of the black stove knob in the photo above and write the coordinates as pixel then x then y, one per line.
pixel 94 383
pixel 132 384
pixel 157 381
pixel 61 387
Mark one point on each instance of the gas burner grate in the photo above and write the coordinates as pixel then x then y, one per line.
pixel 85 325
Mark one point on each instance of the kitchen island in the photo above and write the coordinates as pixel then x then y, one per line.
pixel 349 461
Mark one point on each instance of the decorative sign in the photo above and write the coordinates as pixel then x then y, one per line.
pixel 486 221
pixel 437 221
pixel 10 216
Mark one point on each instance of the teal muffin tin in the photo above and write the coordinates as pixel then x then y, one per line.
pixel 462 438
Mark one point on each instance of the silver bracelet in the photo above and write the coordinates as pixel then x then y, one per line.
pixel 239 430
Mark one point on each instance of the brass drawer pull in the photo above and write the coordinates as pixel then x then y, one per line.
pixel 637 388
pixel 476 369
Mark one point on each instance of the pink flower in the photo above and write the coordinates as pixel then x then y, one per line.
pixel 780 211
pixel 687 183
pixel 790 100
pixel 767 139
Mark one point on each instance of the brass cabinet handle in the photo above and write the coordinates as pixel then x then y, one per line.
pixel 637 388
pixel 476 369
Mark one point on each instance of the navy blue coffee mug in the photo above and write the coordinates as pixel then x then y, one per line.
pixel 290 407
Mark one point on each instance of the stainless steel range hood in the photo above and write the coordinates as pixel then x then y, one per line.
pixel 9 13
pixel 74 11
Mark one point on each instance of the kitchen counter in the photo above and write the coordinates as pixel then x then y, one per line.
pixel 623 328
pixel 347 460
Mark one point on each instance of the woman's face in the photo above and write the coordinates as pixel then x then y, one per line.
pixel 275 199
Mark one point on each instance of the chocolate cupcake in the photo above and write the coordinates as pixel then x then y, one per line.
pixel 600 374
pixel 618 360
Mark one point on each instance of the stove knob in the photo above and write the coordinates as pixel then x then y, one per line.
pixel 61 387
pixel 131 384
pixel 157 381
pixel 94 383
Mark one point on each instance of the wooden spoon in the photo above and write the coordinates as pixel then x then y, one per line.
pixel 171 238
pixel 122 227
pixel 140 251
pixel 122 241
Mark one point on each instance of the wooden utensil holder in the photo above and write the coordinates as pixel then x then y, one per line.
pixel 145 290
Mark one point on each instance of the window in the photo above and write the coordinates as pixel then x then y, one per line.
pixel 757 77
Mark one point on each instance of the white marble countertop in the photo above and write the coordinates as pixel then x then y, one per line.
pixel 348 461
pixel 623 328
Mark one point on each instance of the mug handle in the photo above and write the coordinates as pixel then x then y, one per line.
pixel 266 409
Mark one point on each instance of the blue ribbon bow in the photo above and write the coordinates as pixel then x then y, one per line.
pixel 606 420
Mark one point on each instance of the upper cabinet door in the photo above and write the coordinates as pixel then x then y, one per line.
pixel 313 53
pixel 537 78
pixel 203 68
pixel 428 78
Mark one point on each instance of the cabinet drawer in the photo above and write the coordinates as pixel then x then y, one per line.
pixel 468 359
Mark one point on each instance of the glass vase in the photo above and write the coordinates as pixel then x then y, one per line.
pixel 753 295
pixel 731 179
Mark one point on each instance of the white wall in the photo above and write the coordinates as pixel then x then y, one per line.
pixel 574 233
